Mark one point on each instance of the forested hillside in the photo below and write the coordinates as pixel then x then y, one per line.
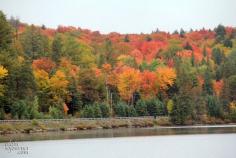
pixel 189 76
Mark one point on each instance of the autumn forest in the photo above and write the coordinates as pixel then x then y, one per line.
pixel 188 76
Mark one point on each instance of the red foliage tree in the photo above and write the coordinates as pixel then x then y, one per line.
pixel 44 63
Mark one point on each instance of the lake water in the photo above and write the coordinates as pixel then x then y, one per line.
pixel 137 145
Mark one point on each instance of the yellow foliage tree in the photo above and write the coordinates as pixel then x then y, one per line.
pixel 128 82
pixel 170 105
pixel 3 74
pixel 232 106
pixel 165 77
pixel 42 79
pixel 58 83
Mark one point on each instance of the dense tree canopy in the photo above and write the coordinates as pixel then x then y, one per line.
pixel 46 73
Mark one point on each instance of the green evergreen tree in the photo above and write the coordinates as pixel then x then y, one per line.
pixel 126 39
pixel 188 46
pixel 55 112
pixel 141 108
pixel 208 85
pixel 148 38
pixel 105 110
pixel 131 112
pixel 34 109
pixel 228 43
pixel 204 52
pixel 120 109
pixel 182 109
pixel 19 109
pixel 182 33
pixel 2 113
pixel 34 43
pixel 232 87
pixel 218 56
pixel 5 33
pixel 57 48
pixel 87 112
pixel 97 111
pixel 21 83
pixel 192 59
pixel 229 66
pixel 214 107
pixel 220 33
pixel 155 107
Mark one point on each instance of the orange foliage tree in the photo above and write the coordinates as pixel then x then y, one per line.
pixel 45 64
pixel 149 85
pixel 217 86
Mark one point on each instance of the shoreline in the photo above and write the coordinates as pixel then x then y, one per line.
pixel 8 127
pixel 120 132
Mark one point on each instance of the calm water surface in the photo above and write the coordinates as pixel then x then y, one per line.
pixel 180 142
pixel 120 132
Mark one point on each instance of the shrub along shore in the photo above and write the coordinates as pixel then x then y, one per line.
pixel 33 126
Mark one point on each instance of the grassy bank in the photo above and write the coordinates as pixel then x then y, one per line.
pixel 33 126
pixel 73 125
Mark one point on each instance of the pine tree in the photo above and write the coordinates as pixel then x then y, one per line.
pixel 182 33
pixel 5 33
pixel 126 39
pixel 220 32
pixel 208 86
pixel 218 56
pixel 21 83
pixel 57 48
pixel 182 109
pixel 33 42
